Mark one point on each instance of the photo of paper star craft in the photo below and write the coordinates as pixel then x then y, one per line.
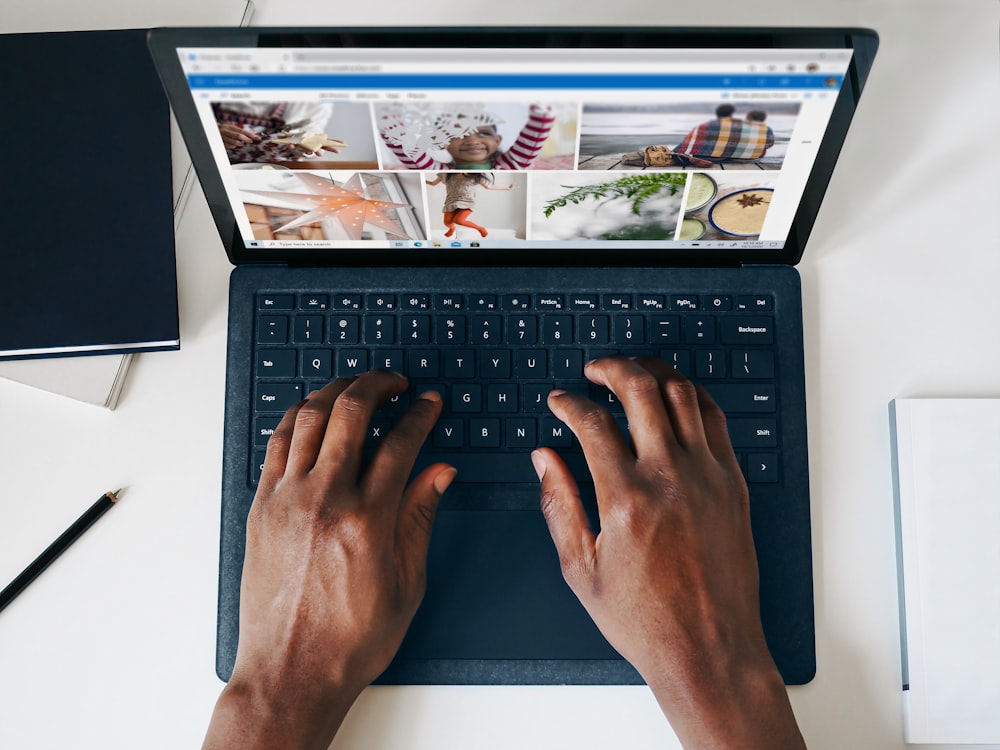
pixel 463 123
pixel 309 141
pixel 450 125
pixel 328 200
pixel 431 126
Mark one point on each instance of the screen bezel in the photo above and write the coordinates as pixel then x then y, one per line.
pixel 164 43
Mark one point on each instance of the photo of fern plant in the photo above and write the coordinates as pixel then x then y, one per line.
pixel 621 206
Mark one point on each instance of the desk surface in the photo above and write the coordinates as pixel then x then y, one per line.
pixel 114 645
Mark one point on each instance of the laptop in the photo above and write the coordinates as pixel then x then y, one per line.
pixel 486 210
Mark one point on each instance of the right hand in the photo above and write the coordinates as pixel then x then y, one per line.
pixel 671 579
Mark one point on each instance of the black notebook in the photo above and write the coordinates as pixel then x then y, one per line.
pixel 87 264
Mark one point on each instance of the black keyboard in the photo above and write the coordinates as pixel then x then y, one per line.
pixel 494 358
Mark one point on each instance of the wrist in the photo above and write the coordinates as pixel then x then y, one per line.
pixel 728 701
pixel 256 712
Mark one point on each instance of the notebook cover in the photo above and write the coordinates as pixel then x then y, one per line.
pixel 88 258
pixel 946 484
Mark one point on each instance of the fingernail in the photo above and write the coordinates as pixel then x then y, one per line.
pixel 430 396
pixel 556 392
pixel 444 479
pixel 538 461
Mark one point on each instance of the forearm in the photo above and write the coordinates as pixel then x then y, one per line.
pixel 256 716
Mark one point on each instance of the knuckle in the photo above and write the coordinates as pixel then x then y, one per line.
pixel 279 440
pixel 309 415
pixel 714 420
pixel 549 504
pixel 682 391
pixel 633 517
pixel 350 405
pixel 641 383
pixel 593 419
pixel 577 572
pixel 423 517
pixel 352 526
pixel 572 573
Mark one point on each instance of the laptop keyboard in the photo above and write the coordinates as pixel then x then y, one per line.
pixel 494 358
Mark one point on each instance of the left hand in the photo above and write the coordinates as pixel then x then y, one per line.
pixel 336 553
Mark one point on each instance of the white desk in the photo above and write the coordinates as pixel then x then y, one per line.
pixel 114 645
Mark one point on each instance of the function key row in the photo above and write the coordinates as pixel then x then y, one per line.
pixel 286 302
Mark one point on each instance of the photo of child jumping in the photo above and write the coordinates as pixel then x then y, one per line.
pixel 461 189
pixel 440 136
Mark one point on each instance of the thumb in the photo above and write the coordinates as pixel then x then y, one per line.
pixel 416 517
pixel 565 516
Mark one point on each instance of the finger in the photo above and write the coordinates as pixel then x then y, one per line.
pixel 343 441
pixel 604 447
pixel 247 135
pixel 278 446
pixel 416 518
pixel 393 460
pixel 683 403
pixel 640 392
pixel 237 134
pixel 567 521
pixel 716 432
pixel 310 425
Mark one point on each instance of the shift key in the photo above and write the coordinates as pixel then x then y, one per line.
pixel 753 433
pixel 277 397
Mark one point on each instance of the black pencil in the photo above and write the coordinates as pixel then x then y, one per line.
pixel 60 545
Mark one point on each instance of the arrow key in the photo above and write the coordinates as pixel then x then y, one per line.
pixel 762 468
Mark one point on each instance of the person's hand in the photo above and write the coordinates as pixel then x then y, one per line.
pixel 234 136
pixel 335 562
pixel 671 579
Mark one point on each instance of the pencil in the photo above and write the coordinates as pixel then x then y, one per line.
pixel 60 545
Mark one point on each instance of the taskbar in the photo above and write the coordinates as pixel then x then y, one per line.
pixel 556 245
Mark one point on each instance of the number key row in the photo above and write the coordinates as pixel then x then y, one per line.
pixel 525 330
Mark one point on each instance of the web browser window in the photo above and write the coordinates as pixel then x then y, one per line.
pixel 483 148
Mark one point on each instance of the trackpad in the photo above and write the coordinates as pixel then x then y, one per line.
pixel 495 591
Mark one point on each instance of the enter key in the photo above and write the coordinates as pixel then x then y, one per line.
pixel 736 398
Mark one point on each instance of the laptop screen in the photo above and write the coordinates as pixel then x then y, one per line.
pixel 429 151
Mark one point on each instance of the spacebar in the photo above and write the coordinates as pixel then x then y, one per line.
pixel 498 468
